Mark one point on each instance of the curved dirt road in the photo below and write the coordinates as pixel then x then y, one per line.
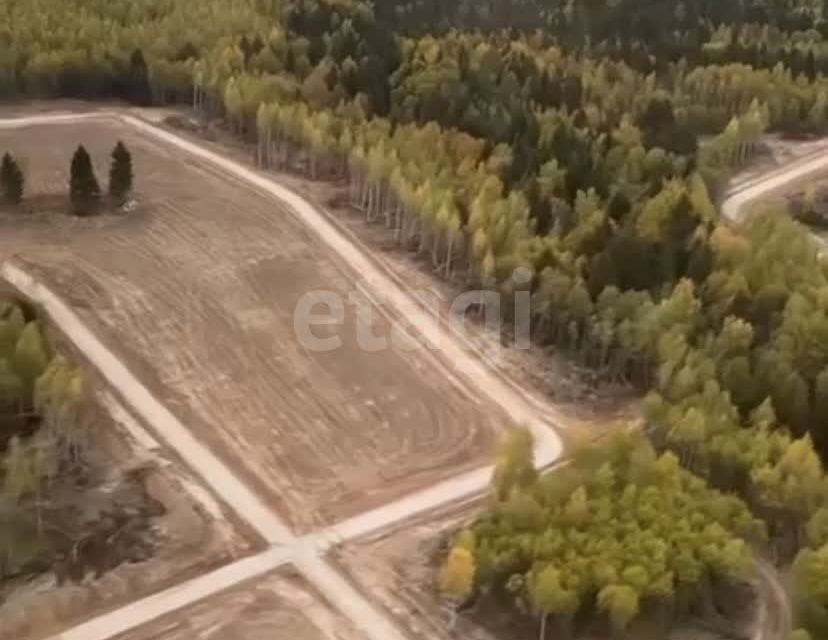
pixel 774 618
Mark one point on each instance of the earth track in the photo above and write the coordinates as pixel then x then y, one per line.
pixel 196 293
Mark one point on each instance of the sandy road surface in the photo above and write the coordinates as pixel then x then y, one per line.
pixel 175 598
pixel 734 207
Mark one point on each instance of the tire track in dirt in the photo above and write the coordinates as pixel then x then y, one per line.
pixel 145 405
pixel 304 553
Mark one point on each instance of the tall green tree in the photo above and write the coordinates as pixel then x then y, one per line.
pixel 120 173
pixel 550 597
pixel 84 191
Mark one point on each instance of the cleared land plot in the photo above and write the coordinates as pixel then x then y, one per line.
pixel 277 606
pixel 196 290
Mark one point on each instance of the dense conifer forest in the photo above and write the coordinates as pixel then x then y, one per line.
pixel 587 141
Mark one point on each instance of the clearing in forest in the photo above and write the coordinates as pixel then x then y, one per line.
pixel 196 289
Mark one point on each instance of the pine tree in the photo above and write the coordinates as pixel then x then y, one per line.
pixel 11 180
pixel 83 186
pixel 120 174
pixel 138 91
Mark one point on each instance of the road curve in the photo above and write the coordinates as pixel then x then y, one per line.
pixel 774 618
pixel 516 406
pixel 734 206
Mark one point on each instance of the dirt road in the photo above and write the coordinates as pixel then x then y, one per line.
pixel 276 606
pixel 175 598
pixel 516 406
pixel 774 619
pixel 734 206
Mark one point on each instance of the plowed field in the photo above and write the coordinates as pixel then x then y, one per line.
pixel 196 291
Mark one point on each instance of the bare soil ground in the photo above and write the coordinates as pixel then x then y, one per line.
pixel 542 372
pixel 179 531
pixel 279 606
pixel 790 199
pixel 196 292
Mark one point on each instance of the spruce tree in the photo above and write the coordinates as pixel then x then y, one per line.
pixel 11 180
pixel 83 186
pixel 120 174
pixel 139 91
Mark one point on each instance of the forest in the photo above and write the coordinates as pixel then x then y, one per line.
pixel 588 141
